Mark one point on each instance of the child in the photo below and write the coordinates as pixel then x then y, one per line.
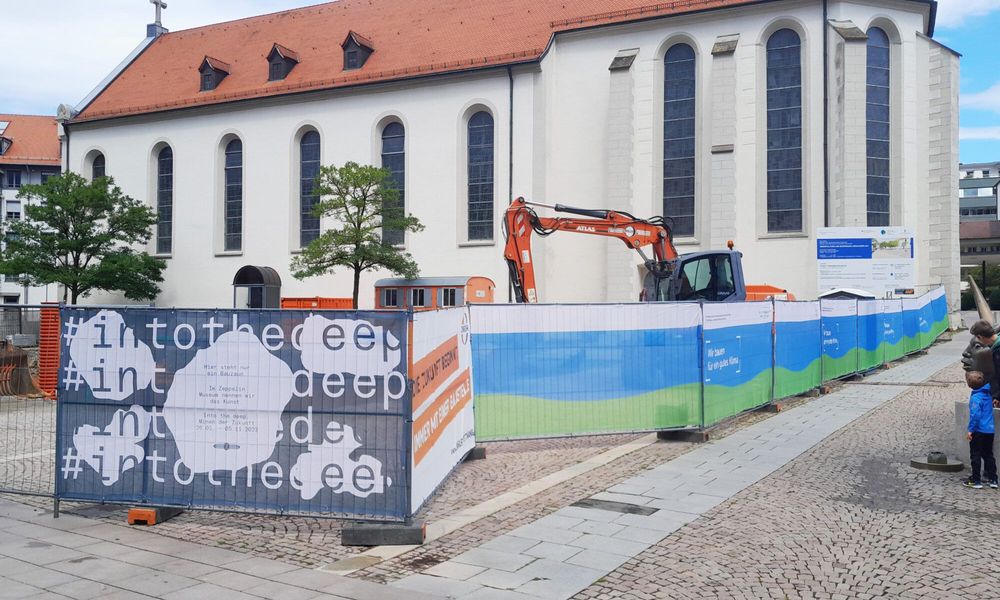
pixel 980 433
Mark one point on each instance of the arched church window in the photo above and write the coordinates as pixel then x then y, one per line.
pixel 878 126
pixel 394 159
pixel 784 131
pixel 164 200
pixel 97 167
pixel 678 138
pixel 480 176
pixel 234 196
pixel 308 170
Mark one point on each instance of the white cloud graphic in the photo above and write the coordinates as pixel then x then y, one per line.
pixel 348 346
pixel 361 478
pixel 224 407
pixel 116 448
pixel 106 353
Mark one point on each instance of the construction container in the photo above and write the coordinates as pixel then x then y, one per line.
pixel 426 293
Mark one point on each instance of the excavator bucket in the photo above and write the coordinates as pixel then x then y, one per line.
pixel 15 373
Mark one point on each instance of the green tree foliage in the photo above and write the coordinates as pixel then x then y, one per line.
pixel 84 236
pixel 361 201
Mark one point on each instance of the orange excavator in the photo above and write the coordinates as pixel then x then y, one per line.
pixel 713 276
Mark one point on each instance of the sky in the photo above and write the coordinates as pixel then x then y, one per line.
pixel 71 50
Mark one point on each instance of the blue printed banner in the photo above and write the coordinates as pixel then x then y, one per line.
pixel 290 411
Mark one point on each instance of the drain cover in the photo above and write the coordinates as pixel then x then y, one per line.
pixel 619 507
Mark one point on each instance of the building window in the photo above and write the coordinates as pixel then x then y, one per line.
pixel 13 179
pixel 212 71
pixel 784 132
pixel 390 297
pixel 45 177
pixel 352 59
pixel 449 296
pixel 394 160
pixel 480 184
pixel 418 297
pixel 877 138
pixel 234 196
pixel 986 173
pixel 11 299
pixel 164 200
pixel 13 210
pixel 308 171
pixel 969 174
pixel 97 167
pixel 678 138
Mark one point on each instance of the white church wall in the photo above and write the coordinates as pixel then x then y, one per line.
pixel 199 274
pixel 562 147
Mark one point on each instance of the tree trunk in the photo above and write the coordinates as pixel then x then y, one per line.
pixel 74 294
pixel 357 284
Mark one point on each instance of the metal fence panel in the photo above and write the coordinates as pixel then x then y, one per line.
pixel 283 411
pixel 798 353
pixel 840 338
pixel 871 351
pixel 550 370
pixel 738 358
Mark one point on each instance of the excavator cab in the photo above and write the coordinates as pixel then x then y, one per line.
pixel 714 276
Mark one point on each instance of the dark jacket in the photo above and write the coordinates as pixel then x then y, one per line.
pixel 981 410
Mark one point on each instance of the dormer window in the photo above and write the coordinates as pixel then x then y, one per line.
pixel 213 71
pixel 280 62
pixel 5 143
pixel 357 49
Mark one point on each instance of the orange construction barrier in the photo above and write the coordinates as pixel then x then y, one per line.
pixel 48 350
pixel 318 302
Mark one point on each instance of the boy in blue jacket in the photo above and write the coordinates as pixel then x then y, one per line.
pixel 981 430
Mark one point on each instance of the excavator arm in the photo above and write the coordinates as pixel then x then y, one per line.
pixel 521 222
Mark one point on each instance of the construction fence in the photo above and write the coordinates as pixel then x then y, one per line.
pixel 283 411
pixel 555 370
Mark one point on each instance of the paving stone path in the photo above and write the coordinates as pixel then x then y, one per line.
pixel 566 552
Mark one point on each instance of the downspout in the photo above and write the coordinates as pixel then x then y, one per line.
pixel 65 127
pixel 826 117
pixel 510 162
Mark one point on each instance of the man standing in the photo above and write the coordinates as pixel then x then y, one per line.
pixel 985 334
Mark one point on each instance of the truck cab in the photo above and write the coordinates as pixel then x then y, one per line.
pixel 711 276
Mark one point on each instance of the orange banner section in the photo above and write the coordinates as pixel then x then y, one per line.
pixel 428 428
pixel 432 370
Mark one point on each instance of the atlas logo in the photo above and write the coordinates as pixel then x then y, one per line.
pixel 586 228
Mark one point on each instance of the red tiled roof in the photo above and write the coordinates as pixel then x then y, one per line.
pixel 35 140
pixel 978 230
pixel 411 37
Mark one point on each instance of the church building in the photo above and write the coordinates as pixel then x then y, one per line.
pixel 751 121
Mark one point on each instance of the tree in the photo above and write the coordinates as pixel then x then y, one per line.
pixel 83 235
pixel 362 201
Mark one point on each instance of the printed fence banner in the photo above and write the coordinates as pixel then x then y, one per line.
pixel 443 422
pixel 549 370
pixel 912 318
pixel 738 358
pixel 797 348
pixel 289 411
pixel 871 350
pixel 840 337
pixel 892 329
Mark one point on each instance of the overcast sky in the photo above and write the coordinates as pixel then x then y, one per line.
pixel 65 53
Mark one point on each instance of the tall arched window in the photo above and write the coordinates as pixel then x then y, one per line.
pixel 308 170
pixel 877 137
pixel 678 138
pixel 784 131
pixel 234 196
pixel 164 200
pixel 97 167
pixel 480 186
pixel 394 159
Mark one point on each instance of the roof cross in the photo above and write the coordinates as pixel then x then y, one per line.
pixel 160 5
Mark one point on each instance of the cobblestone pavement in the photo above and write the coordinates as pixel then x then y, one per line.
pixel 848 519
pixel 562 553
